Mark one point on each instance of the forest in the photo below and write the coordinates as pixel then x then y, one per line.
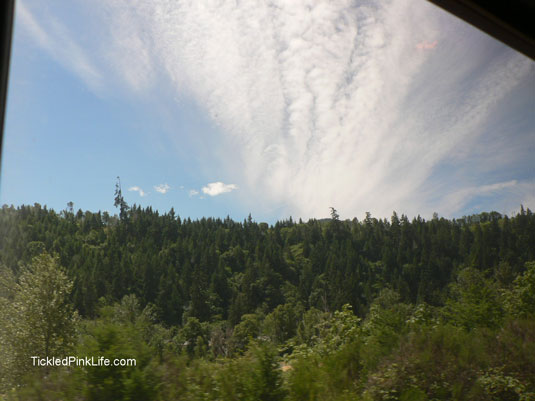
pixel 215 309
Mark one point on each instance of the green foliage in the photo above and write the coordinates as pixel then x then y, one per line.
pixel 111 341
pixel 193 337
pixel 308 328
pixel 37 318
pixel 329 366
pixel 475 301
pixel 245 331
pixel 385 324
pixel 329 334
pixel 221 310
pixel 520 299
pixel 265 379
pixel 254 376
pixel 446 362
pixel 215 269
pixel 439 363
pixel 501 387
pixel 281 324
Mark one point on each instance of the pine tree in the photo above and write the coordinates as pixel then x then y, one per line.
pixel 119 200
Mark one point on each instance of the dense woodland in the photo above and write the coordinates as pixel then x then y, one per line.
pixel 215 309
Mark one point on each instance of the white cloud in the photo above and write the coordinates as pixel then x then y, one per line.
pixel 193 192
pixel 54 38
pixel 218 188
pixel 332 103
pixel 162 188
pixel 484 189
pixel 138 190
pixel 327 103
pixel 457 200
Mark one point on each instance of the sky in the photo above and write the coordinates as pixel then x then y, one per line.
pixel 269 108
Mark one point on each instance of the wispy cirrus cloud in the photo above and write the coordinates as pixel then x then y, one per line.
pixel 57 40
pixel 459 198
pixel 162 188
pixel 505 197
pixel 332 102
pixel 138 190
pixel 218 188
pixel 193 192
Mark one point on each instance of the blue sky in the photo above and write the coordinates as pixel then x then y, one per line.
pixel 269 108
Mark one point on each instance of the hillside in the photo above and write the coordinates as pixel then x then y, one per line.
pixel 369 309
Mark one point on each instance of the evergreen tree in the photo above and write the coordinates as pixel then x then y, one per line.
pixel 119 201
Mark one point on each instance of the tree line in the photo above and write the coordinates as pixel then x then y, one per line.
pixel 217 309
pixel 219 269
